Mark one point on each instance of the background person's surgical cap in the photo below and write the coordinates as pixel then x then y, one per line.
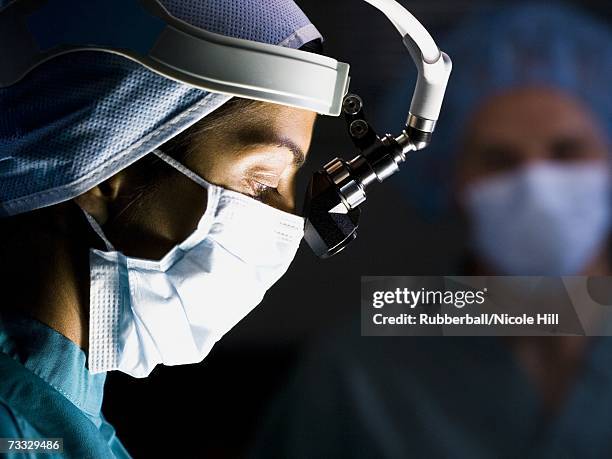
pixel 81 118
pixel 527 45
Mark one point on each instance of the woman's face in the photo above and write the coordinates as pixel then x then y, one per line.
pixel 257 153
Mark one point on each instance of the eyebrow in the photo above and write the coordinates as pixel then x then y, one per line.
pixel 299 157
pixel 270 138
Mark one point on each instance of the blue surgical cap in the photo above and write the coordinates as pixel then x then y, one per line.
pixel 556 46
pixel 79 119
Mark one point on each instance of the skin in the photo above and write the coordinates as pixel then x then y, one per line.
pixel 259 154
pixel 513 130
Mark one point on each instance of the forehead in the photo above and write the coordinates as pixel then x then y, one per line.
pixel 274 117
pixel 242 123
pixel 538 112
pixel 250 132
pixel 274 125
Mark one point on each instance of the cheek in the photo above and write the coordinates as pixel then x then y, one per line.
pixel 151 227
pixel 180 207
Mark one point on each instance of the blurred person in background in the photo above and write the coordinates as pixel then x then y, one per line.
pixel 522 151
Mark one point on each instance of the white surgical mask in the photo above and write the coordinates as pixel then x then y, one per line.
pixel 547 219
pixel 145 312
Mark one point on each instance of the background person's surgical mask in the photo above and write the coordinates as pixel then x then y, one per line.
pixel 545 219
pixel 145 312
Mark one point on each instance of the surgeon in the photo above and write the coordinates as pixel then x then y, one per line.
pixel 141 220
pixel 523 151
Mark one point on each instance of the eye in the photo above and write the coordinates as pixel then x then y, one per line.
pixel 274 196
pixel 567 149
pixel 499 158
pixel 258 190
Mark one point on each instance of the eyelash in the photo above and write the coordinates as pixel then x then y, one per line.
pixel 260 190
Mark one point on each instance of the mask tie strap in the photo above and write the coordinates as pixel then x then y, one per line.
pixel 98 229
pixel 181 168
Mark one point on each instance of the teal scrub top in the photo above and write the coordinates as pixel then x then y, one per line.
pixel 46 391
pixel 434 397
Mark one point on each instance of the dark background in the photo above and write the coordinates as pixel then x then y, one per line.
pixel 214 409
